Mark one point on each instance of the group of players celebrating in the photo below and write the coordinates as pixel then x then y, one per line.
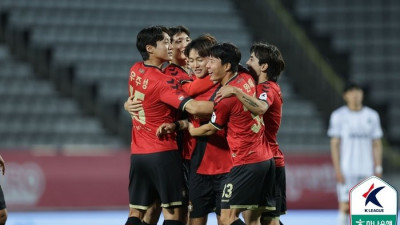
pixel 203 132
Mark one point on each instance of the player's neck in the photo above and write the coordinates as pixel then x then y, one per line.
pixel 154 62
pixel 355 107
pixel 180 63
pixel 227 78
pixel 262 78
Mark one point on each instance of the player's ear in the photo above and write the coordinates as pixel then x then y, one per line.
pixel 264 67
pixel 150 49
pixel 227 67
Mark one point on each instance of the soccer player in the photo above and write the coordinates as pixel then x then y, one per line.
pixel 356 146
pixel 156 165
pixel 3 209
pixel 266 63
pixel 246 185
pixel 210 156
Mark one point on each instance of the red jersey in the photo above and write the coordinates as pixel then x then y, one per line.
pixel 270 92
pixel 245 132
pixel 160 98
pixel 177 72
pixel 210 155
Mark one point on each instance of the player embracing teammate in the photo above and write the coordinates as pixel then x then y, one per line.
pixel 253 181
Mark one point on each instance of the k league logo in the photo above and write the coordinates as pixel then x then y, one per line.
pixel 373 202
pixel 371 196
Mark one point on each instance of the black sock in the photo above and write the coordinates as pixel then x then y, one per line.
pixel 133 221
pixel 144 223
pixel 172 222
pixel 238 222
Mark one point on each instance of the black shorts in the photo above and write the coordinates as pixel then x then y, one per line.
pixel 205 193
pixel 2 200
pixel 249 187
pixel 280 193
pixel 156 176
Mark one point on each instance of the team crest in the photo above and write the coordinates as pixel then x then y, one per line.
pixel 263 96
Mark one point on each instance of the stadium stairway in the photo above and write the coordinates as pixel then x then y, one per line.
pixel 87 47
pixel 34 115
pixel 369 31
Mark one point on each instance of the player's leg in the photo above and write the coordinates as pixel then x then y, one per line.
pixel 201 201
pixel 167 177
pixel 230 217
pixel 152 214
pixel 272 217
pixel 343 218
pixel 242 190
pixel 343 199
pixel 217 187
pixel 3 209
pixel 142 193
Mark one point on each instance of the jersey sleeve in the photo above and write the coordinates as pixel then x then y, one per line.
pixel 264 94
pixel 197 86
pixel 334 125
pixel 171 95
pixel 221 113
pixel 377 130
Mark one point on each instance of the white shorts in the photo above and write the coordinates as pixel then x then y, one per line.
pixel 343 190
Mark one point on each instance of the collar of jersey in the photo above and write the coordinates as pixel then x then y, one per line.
pixel 144 64
pixel 232 78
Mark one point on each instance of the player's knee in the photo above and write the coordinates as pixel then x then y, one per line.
pixel 3 216
pixel 226 219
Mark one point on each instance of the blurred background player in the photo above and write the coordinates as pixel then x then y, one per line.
pixel 266 64
pixel 252 172
pixel 3 209
pixel 356 146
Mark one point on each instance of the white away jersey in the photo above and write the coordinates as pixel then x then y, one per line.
pixel 356 130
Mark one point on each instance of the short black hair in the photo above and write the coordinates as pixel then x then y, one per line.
pixel 227 53
pixel 149 36
pixel 351 85
pixel 177 30
pixel 202 44
pixel 270 54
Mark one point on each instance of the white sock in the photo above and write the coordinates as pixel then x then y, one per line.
pixel 343 219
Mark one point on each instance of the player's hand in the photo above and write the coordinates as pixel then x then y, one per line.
pixel 190 128
pixel 2 165
pixel 224 92
pixel 165 128
pixel 133 106
pixel 340 178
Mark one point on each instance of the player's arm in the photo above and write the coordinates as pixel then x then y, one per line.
pixel 199 108
pixel 2 165
pixel 253 104
pixel 335 154
pixel 167 128
pixel 204 130
pixel 377 151
pixel 197 86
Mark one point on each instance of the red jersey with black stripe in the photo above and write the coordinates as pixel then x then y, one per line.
pixel 160 98
pixel 177 72
pixel 270 92
pixel 211 154
pixel 245 131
